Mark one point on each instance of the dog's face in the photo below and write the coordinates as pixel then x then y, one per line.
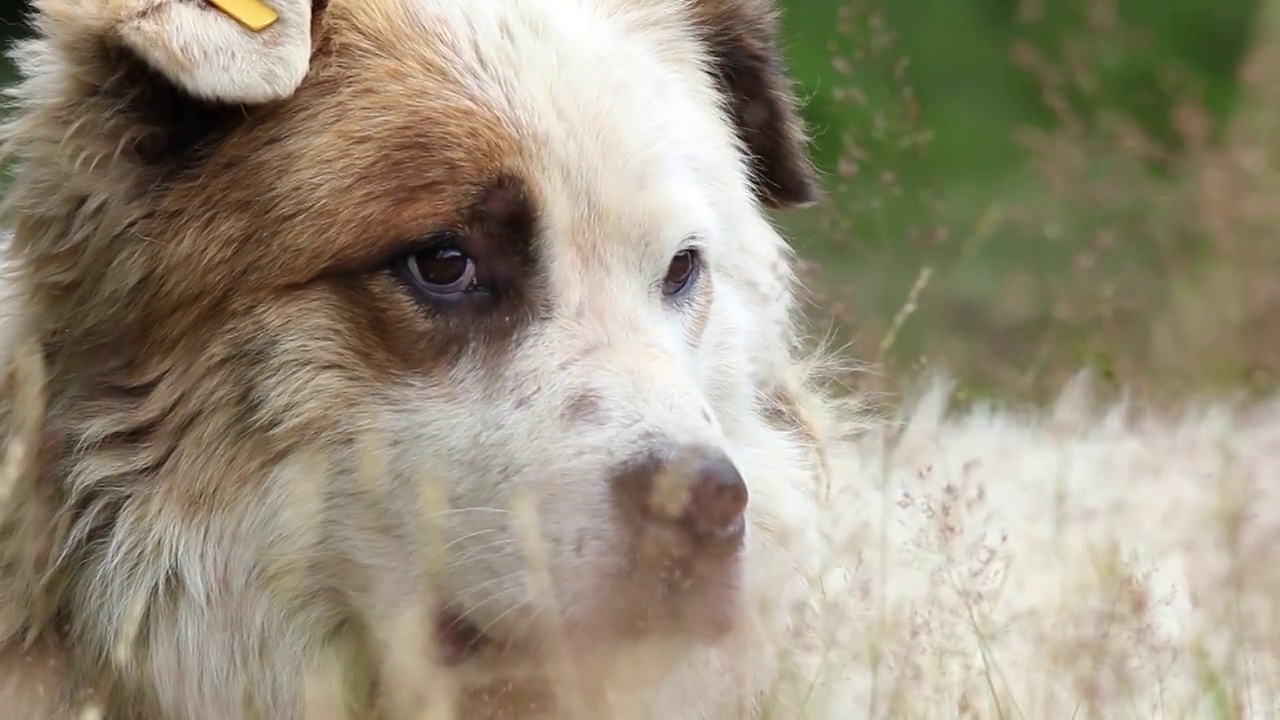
pixel 502 266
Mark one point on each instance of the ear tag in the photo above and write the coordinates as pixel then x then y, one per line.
pixel 253 14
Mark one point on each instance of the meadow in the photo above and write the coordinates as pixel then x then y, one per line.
pixel 1018 190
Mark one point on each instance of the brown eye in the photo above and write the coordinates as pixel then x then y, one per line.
pixel 680 273
pixel 442 272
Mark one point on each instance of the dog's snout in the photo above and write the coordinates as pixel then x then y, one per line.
pixel 696 491
pixel 717 497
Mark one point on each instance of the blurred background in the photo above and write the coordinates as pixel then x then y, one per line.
pixel 1020 189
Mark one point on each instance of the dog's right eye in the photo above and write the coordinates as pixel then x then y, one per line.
pixel 681 272
pixel 441 272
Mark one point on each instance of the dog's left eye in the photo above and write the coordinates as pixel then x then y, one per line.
pixel 441 272
pixel 681 273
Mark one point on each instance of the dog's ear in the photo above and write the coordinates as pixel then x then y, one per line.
pixel 165 74
pixel 256 51
pixel 742 39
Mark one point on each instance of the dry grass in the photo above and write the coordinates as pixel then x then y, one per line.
pixel 1171 292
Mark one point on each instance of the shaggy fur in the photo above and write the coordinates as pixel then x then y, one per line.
pixel 251 468
pixel 270 467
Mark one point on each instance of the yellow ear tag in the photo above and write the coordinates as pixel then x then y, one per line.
pixel 253 14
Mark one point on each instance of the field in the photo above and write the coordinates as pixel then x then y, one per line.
pixel 1018 190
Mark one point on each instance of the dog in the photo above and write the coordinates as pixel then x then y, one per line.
pixel 438 358
pixel 405 356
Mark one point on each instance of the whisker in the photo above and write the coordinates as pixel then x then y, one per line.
pixel 496 581
pixel 468 536
pixel 478 554
pixel 516 606
pixel 458 511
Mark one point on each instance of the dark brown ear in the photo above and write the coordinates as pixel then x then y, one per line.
pixel 742 37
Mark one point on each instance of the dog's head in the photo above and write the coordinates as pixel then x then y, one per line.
pixel 467 270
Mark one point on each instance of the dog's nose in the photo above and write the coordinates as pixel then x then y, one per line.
pixel 696 491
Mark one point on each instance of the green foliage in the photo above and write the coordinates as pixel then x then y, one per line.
pixel 1064 173
pixel 1145 55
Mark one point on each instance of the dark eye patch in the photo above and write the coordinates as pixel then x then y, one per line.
pixel 489 257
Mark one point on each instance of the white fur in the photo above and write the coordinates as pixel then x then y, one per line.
pixel 214 57
pixel 623 186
